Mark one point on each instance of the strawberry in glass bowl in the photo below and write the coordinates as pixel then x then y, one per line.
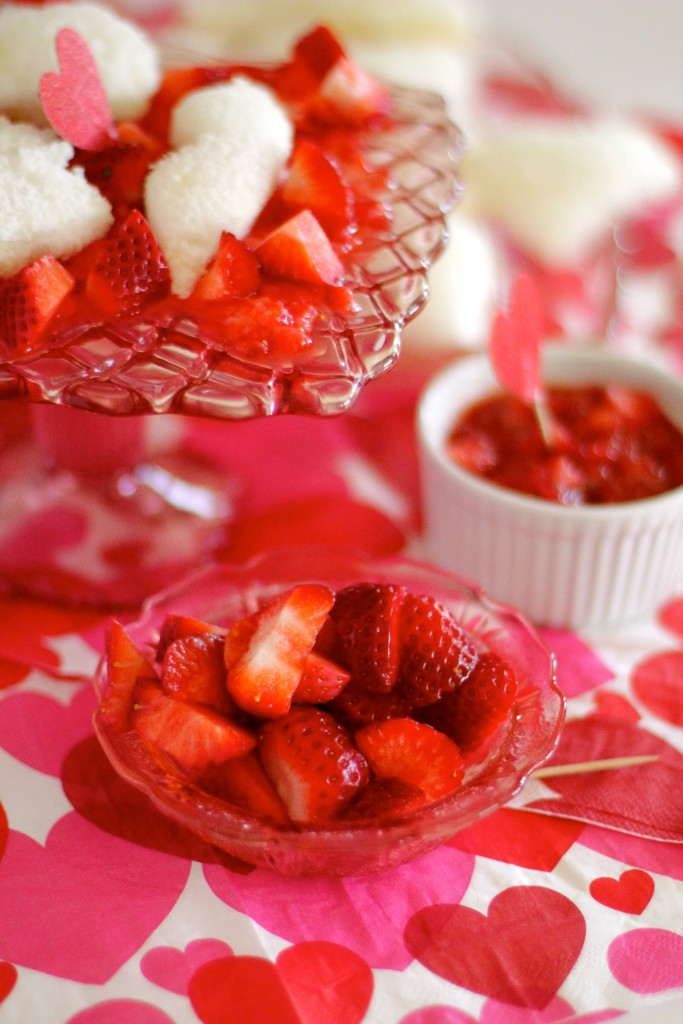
pixel 230 241
pixel 321 712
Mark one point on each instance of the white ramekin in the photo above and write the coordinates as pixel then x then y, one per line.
pixel 587 567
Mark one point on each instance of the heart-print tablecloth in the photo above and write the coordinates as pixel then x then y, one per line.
pixel 563 906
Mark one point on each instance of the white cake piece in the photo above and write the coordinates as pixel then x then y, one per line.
pixel 234 140
pixel 47 209
pixel 558 186
pixel 126 58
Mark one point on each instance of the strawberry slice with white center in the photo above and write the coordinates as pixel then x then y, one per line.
pixel 313 764
pixel 314 182
pixel 300 250
pixel 263 679
pixel 28 301
pixel 125 666
pixel 192 735
pixel 415 753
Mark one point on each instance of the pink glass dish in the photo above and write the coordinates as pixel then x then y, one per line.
pixel 130 367
pixel 497 772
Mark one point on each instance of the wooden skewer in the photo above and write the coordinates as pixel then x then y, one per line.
pixel 584 767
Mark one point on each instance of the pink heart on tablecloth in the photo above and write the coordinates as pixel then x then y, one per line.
pixel 636 800
pixel 579 669
pixel 388 900
pixel 309 983
pixel 95 790
pixel 518 953
pixel 513 836
pixel 630 893
pixel 657 682
pixel 647 960
pixel 117 1011
pixel 92 918
pixel 172 968
pixel 39 731
pixel 558 1009
pixel 437 1015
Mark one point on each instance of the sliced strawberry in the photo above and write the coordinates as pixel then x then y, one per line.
pixel 128 267
pixel 318 51
pixel 119 171
pixel 384 799
pixel 436 652
pixel 313 764
pixel 314 182
pixel 28 302
pixel 349 94
pixel 268 326
pixel 234 271
pixel 367 617
pixel 191 734
pixel 243 782
pixel 413 752
pixel 263 680
pixel 193 669
pixel 356 706
pixel 175 626
pixel 125 666
pixel 321 680
pixel 478 706
pixel 299 250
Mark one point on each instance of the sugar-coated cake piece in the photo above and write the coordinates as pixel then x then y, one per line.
pixel 47 208
pixel 234 132
pixel 558 186
pixel 126 58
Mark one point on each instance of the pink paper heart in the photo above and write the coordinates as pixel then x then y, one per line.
pixel 388 900
pixel 657 682
pixel 114 1011
pixel 647 960
pixel 630 893
pixel 251 990
pixel 39 731
pixel 88 928
pixel 172 969
pixel 515 342
pixel 518 953
pixel 74 99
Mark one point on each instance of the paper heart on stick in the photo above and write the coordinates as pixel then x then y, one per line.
pixel 74 99
pixel 515 342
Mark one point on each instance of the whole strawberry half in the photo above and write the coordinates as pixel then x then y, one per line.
pixel 128 268
pixel 436 652
pixel 368 621
pixel 125 666
pixel 472 712
pixel 313 764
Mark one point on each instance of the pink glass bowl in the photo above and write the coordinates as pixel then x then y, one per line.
pixel 129 367
pixel 221 594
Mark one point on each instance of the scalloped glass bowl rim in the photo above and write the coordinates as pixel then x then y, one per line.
pixel 515 754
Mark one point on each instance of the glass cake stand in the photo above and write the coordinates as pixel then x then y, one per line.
pixel 88 512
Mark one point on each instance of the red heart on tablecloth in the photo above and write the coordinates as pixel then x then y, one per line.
pixel 518 837
pixel 518 953
pixel 11 673
pixel 103 798
pixel 630 893
pixel 4 831
pixel 657 682
pixel 308 983
pixel 172 968
pixel 637 800
pixel 74 99
pixel 39 731
pixel 671 616
pixel 29 626
pixel 84 889
pixel 613 705
pixel 8 979
pixel 116 1011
